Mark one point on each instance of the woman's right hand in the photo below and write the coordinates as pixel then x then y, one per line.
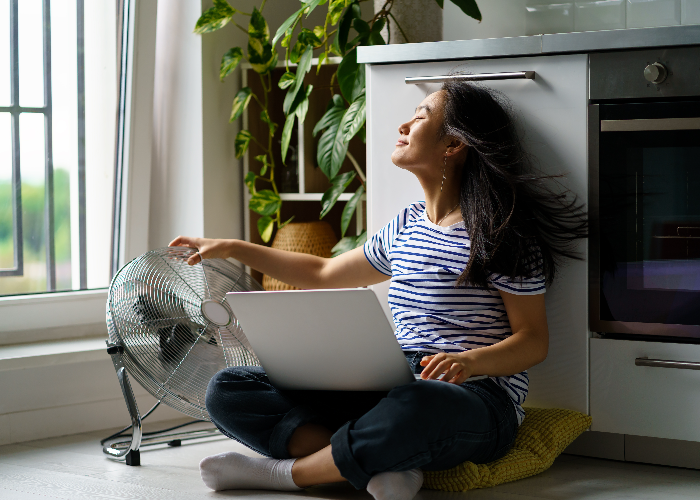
pixel 207 248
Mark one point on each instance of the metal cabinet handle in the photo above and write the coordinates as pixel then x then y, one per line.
pixel 517 75
pixel 661 363
pixel 649 124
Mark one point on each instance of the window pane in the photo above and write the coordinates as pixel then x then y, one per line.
pixel 100 131
pixel 31 136
pixel 6 240
pixel 31 53
pixel 64 85
pixel 32 165
pixel 97 119
pixel 5 89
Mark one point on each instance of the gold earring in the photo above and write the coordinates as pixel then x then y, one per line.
pixel 443 174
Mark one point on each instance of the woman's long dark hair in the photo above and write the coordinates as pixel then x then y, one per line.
pixel 508 209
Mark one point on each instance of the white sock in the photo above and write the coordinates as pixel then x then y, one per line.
pixel 233 471
pixel 396 485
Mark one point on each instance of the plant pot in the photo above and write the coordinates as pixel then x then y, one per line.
pixel 315 238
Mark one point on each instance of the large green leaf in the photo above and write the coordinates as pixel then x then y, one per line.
pixel 242 142
pixel 353 12
pixel 331 151
pixel 375 37
pixel 265 202
pixel 334 113
pixel 440 3
pixel 265 227
pixel 260 54
pixel 338 185
pixel 303 106
pixel 240 102
pixel 303 68
pixel 354 118
pixel 349 210
pixel 286 80
pixel 308 37
pixel 250 181
pixel 335 9
pixel 469 7
pixel 351 76
pixel 349 243
pixel 291 101
pixel 230 61
pixel 287 135
pixel 286 25
pixel 257 27
pixel 214 18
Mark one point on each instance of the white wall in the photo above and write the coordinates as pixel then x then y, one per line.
pixel 196 182
pixel 501 18
pixel 177 159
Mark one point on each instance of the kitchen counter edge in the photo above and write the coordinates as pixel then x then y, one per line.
pixel 560 43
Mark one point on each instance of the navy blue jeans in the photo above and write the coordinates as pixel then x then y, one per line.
pixel 424 424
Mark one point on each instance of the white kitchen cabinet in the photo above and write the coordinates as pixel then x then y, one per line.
pixel 643 400
pixel 551 115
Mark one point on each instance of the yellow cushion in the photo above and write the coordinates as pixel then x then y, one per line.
pixel 542 436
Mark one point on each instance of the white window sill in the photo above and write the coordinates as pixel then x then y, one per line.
pixel 52 316
pixel 42 354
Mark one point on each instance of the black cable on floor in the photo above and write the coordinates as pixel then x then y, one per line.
pixel 121 432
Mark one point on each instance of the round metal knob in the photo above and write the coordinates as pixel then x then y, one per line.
pixel 655 72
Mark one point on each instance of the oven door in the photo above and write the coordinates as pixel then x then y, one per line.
pixel 645 201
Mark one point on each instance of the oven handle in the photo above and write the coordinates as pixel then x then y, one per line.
pixel 650 124
pixel 660 363
pixel 516 75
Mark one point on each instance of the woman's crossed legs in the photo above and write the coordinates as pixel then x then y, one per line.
pixel 355 436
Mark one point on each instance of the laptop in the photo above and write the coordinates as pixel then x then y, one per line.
pixel 337 339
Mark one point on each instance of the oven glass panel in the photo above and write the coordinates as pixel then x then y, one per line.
pixel 649 203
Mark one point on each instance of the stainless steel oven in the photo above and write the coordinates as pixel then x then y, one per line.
pixel 644 168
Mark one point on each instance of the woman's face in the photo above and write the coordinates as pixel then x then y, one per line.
pixel 419 146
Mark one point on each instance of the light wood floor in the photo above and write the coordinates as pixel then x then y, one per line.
pixel 73 467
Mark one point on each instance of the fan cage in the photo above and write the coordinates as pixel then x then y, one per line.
pixel 154 311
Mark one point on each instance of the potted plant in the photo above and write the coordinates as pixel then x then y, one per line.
pixel 345 113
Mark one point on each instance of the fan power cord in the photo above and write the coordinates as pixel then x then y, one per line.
pixel 121 432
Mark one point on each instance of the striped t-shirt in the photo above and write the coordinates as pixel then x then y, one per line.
pixel 424 261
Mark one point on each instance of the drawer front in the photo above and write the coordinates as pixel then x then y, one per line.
pixel 643 400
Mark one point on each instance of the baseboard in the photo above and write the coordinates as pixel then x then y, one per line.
pixel 598 445
pixel 659 451
pixel 628 448
pixel 62 388
pixel 76 418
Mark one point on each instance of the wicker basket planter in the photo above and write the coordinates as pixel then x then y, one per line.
pixel 315 238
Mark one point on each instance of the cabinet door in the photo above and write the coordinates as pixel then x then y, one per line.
pixel 551 116
pixel 645 400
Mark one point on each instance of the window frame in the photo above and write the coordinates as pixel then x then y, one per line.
pixel 70 314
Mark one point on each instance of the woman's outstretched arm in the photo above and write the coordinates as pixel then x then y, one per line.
pixel 348 270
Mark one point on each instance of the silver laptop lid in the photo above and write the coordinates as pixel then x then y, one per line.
pixel 322 339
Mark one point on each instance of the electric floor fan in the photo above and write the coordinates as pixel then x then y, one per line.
pixel 171 329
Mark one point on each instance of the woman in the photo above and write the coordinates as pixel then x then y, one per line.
pixel 468 268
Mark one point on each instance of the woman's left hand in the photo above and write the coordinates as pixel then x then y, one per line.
pixel 456 367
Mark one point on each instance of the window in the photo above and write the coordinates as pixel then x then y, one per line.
pixel 58 109
pixel 69 167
